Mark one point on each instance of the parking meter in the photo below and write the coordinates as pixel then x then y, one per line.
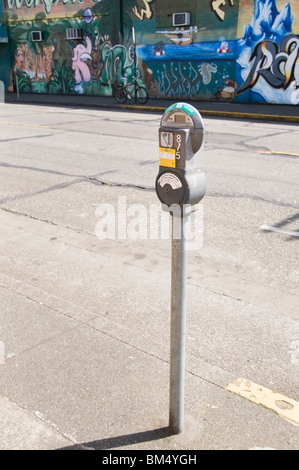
pixel 180 186
pixel 180 179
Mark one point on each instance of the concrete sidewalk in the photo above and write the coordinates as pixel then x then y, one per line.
pixel 84 330
pixel 77 366
pixel 85 350
pixel 270 112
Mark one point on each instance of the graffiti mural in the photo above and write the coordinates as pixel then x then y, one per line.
pixel 276 64
pixel 91 61
pixel 89 67
pixel 41 5
pixel 217 7
pixel 229 50
pixel 196 60
pixel 31 66
pixel 269 54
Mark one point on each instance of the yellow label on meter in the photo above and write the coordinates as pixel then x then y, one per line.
pixel 167 157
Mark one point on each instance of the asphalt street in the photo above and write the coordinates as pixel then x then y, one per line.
pixel 84 330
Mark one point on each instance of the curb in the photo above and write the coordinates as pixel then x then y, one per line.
pixel 204 112
pixel 229 114
pixel 265 117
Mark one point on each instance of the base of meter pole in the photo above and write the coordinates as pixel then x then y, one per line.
pixel 178 320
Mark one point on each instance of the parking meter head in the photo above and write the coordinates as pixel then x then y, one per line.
pixel 180 179
pixel 185 116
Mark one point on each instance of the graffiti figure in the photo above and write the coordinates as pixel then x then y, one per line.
pixel 81 54
pixel 228 92
pixel 223 49
pixel 145 12
pixel 180 79
pixel 159 49
pixel 216 4
pixel 206 71
pixel 31 66
pixel 95 64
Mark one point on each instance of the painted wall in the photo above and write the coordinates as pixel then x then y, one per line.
pixel 231 50
pixel 246 50
pixel 196 61
pixel 90 65
pixel 268 53
pixel 4 58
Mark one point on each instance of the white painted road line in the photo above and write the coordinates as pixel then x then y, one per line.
pixel 280 230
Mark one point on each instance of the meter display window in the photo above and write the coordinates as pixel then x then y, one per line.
pixel 180 118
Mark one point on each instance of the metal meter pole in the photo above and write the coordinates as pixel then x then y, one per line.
pixel 17 84
pixel 135 67
pixel 180 185
pixel 178 320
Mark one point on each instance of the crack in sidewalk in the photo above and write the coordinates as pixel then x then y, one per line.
pixel 91 179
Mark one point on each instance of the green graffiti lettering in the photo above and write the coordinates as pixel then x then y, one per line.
pixel 48 5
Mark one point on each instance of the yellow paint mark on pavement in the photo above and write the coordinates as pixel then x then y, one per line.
pixel 285 407
pixel 23 124
pixel 274 152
